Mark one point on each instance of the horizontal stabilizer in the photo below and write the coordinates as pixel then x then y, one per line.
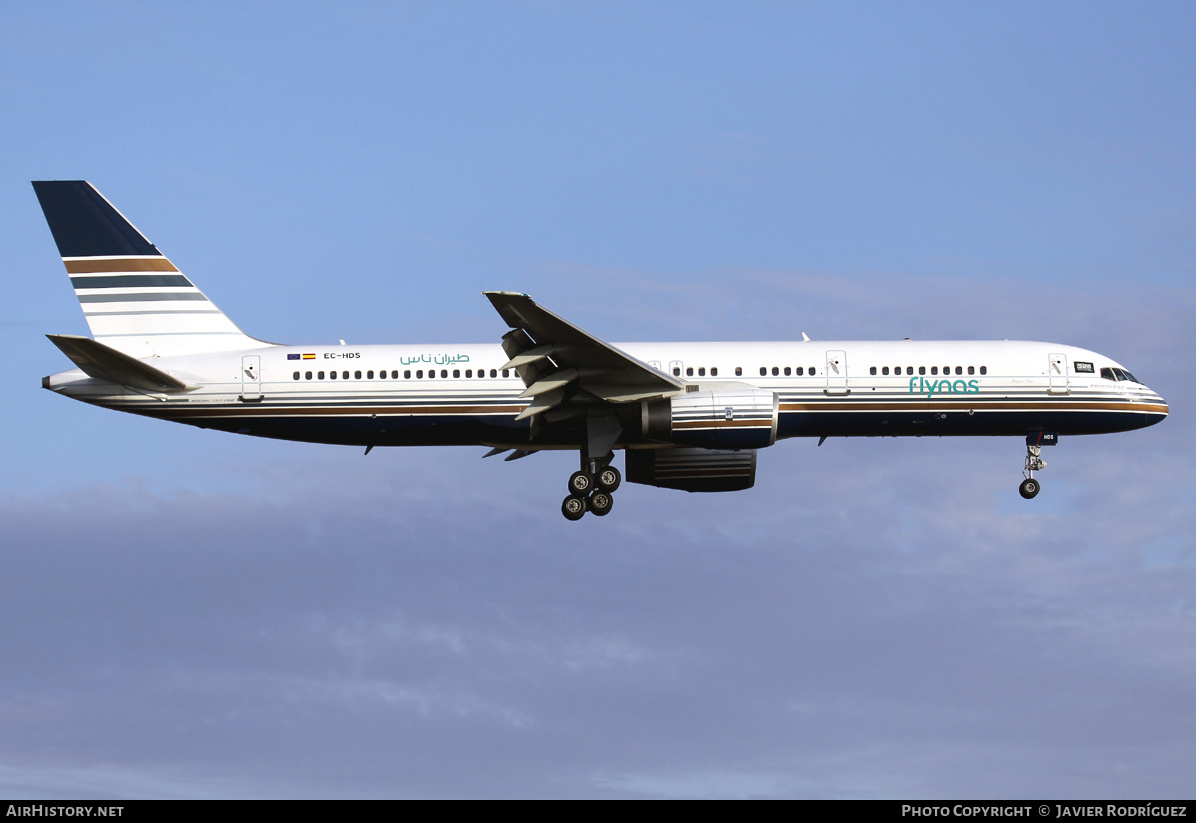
pixel 107 364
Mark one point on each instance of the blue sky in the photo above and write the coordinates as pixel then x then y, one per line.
pixel 190 613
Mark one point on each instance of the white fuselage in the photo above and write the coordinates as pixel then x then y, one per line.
pixel 459 394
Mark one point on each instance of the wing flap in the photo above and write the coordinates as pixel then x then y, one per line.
pixel 561 354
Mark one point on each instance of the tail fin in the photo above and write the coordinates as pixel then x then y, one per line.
pixel 134 299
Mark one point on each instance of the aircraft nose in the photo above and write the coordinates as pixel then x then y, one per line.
pixel 1158 407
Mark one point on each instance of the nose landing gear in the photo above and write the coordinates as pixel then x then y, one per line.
pixel 1030 487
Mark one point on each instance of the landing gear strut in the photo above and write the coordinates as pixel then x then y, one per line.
pixel 1030 487
pixel 592 487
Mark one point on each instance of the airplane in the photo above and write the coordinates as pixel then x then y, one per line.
pixel 689 416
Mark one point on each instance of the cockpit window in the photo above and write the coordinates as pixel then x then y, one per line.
pixel 1117 374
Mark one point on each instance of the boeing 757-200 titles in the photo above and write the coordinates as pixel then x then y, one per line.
pixel 690 416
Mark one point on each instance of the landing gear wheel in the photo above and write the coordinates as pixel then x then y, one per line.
pixel 1029 488
pixel 601 503
pixel 574 507
pixel 580 483
pixel 609 479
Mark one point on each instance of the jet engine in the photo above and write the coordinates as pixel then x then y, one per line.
pixel 692 470
pixel 723 418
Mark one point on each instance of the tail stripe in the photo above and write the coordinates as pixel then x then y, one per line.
pixel 123 281
pixel 140 297
pixel 94 313
pixel 96 265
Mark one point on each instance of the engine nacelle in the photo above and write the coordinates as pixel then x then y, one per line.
pixel 722 418
pixel 692 470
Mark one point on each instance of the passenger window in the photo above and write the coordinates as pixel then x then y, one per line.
pixel 813 371
pixel 921 370
pixel 775 372
pixel 799 370
pixel 356 375
pixel 395 374
pixel 689 372
pixel 934 369
pixel 456 372
pixel 494 373
pixel 714 371
pixel 763 371
pixel 370 375
pixel 296 375
pixel 959 369
pixel 331 375
pixel 787 371
pixel 320 375
pixel 884 370
pixel 872 370
pixel 676 371
pixel 407 374
pixel 701 371
pixel 506 372
pixel 984 369
pixel 971 369
pixel 307 375
pixel 469 372
pixel 909 370
pixel 739 371
pixel 419 374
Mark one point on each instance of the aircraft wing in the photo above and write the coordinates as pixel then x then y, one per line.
pixel 563 366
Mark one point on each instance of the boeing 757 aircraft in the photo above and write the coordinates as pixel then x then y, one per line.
pixel 690 416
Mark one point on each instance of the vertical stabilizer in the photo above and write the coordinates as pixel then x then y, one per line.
pixel 134 299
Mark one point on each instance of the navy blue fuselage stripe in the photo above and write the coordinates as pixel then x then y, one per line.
pixel 140 298
pixel 84 224
pixel 124 281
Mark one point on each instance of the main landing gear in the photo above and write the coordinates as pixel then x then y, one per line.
pixel 1030 487
pixel 591 489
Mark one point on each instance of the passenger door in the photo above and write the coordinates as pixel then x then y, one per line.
pixel 836 372
pixel 251 378
pixel 1057 374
